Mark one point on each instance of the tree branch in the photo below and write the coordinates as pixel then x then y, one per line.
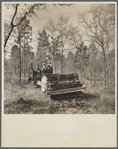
pixel 16 9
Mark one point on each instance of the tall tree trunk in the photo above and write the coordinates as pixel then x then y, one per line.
pixel 62 57
pixel 107 74
pixel 84 76
pixel 20 63
pixel 104 74
pixel 57 66
pixel 94 75
pixel 81 73
pixel 32 67
pixel 19 42
pixel 109 67
pixel 91 69
pixel 26 68
pixel 8 37
pixel 105 71
pixel 41 64
pixel 62 61
pixel 54 65
pixel 24 59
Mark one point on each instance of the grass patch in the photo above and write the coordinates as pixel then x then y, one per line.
pixel 97 99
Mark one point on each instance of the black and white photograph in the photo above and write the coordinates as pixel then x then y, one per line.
pixel 59 58
pixel 59 74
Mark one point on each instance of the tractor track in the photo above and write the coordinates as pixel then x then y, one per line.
pixel 68 96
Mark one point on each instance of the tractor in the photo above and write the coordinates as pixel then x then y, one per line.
pixel 56 84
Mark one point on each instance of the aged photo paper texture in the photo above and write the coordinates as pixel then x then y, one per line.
pixel 59 74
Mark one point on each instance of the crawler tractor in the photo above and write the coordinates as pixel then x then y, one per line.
pixel 56 84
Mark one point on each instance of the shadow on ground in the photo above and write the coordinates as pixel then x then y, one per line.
pixel 76 96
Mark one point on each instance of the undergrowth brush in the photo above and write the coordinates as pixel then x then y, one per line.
pixel 27 99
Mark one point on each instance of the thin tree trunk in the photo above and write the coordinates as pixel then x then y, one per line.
pixel 54 66
pixel 109 67
pixel 81 73
pixel 94 76
pixel 32 68
pixel 93 71
pixel 109 74
pixel 107 77
pixel 83 76
pixel 57 66
pixel 8 37
pixel 41 64
pixel 20 62
pixel 24 59
pixel 105 72
pixel 91 67
pixel 62 57
pixel 62 62
pixel 19 40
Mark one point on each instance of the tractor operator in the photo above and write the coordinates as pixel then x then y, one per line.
pixel 49 67
pixel 44 68
pixel 38 71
